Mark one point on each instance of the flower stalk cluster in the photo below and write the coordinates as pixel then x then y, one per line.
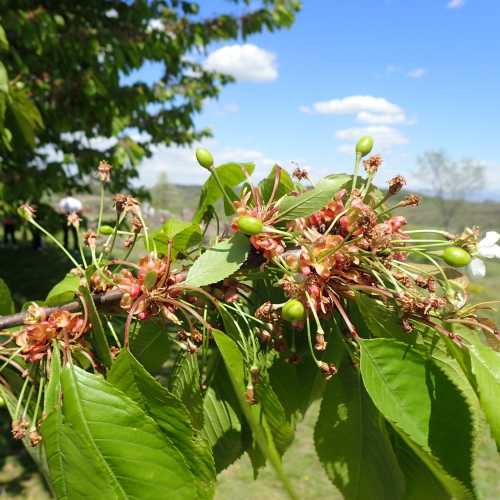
pixel 298 286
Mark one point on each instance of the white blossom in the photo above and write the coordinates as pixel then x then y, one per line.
pixel 486 248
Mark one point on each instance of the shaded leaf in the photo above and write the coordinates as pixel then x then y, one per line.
pixel 485 366
pixel 224 425
pixel 219 261
pixel 352 442
pixel 420 483
pixel 280 425
pixel 233 359
pixel 25 117
pixel 100 341
pixel 151 345
pixel 4 43
pixel 417 398
pixel 4 79
pixel 185 385
pixel 374 319
pixel 6 302
pixel 53 389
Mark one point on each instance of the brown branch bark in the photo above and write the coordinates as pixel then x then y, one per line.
pixel 101 300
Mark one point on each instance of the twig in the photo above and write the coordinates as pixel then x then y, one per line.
pixel 99 299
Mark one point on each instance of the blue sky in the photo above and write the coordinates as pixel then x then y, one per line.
pixel 417 74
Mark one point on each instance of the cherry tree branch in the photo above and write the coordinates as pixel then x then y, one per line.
pixel 101 300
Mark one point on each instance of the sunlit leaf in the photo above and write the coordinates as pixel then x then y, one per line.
pixel 219 261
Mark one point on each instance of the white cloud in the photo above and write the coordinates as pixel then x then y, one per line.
pixel 380 118
pixel 455 4
pixel 355 104
pixel 111 13
pixel 155 25
pixel 384 137
pixel 245 62
pixel 416 73
pixel 181 166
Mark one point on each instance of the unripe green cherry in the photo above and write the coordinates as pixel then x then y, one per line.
pixel 364 145
pixel 205 158
pixel 293 310
pixel 104 229
pixel 456 256
pixel 250 225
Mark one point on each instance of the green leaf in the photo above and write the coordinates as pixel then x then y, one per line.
pixel 424 406
pixel 485 365
pixel 64 291
pixel 103 444
pixel 53 389
pixel 224 425
pixel 377 320
pixel 285 184
pixel 233 359
pixel 352 442
pixel 294 207
pixel 100 341
pixel 26 117
pixel 301 377
pixel 185 385
pixel 486 481
pixel 182 234
pixel 219 261
pixel 6 302
pixel 419 481
pixel 4 43
pixel 280 425
pixel 173 227
pixel 4 79
pixel 230 175
pixel 170 414
pixel 151 345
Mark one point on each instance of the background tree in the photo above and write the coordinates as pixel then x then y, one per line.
pixel 164 195
pixel 64 102
pixel 451 182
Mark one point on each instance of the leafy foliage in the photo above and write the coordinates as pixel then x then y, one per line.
pixel 106 112
pixel 178 363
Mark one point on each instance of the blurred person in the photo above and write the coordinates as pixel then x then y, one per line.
pixel 9 229
pixel 68 205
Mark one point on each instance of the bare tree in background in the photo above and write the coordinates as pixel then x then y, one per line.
pixel 451 182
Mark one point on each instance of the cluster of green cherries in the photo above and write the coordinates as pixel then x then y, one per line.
pixel 294 309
